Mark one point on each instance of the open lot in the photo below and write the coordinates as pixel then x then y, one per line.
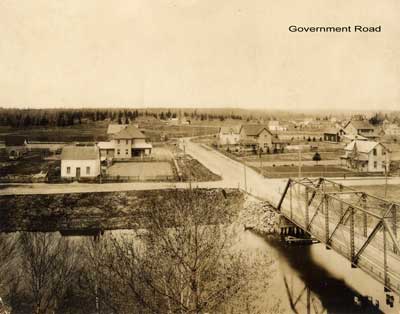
pixel 306 171
pixel 77 133
pixel 141 170
pixel 393 191
pixel 30 164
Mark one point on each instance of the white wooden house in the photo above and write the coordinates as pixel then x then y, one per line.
pixel 366 156
pixel 80 162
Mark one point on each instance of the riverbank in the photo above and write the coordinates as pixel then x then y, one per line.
pixel 258 216
pixel 102 210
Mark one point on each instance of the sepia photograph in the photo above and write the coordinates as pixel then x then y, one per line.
pixel 199 157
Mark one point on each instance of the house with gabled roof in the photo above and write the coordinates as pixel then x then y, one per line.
pixel 229 135
pixel 366 156
pixel 127 141
pixel 256 137
pixel 80 162
pixel 361 127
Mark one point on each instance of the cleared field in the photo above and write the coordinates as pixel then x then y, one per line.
pixel 393 191
pixel 31 163
pixel 292 163
pixel 141 169
pixel 295 156
pixel 77 133
pixel 192 170
pixel 306 171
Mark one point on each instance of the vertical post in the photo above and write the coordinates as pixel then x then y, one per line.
pixel 308 300
pixel 299 163
pixel 386 173
pixel 394 225
pixel 365 218
pixel 307 209
pixel 385 270
pixel 291 199
pixel 352 248
pixel 326 205
pixel 245 178
pixel 341 203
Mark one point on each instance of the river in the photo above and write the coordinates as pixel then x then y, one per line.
pixel 320 275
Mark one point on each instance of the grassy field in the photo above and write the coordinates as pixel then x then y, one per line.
pixel 31 163
pixel 393 191
pixel 192 170
pixel 293 156
pixel 97 131
pixel 142 170
pixel 77 133
pixel 306 171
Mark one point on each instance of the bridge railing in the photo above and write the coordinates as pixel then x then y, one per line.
pixel 359 226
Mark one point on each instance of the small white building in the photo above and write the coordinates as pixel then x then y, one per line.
pixel 229 135
pixel 366 156
pixel 80 162
pixel 274 125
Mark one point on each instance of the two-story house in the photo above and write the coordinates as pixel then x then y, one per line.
pixel 229 135
pixel 130 142
pixel 256 137
pixel 366 156
pixel 361 127
pixel 127 141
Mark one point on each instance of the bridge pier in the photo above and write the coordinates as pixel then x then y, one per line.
pixel 286 227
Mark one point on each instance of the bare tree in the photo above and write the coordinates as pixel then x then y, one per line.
pixel 187 262
pixel 48 262
pixel 8 276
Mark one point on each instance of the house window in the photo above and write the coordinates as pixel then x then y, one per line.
pixel 127 142
pixel 374 151
pixel 68 170
pixel 119 141
pixel 375 164
pixel 126 151
pixel 118 152
pixel 87 170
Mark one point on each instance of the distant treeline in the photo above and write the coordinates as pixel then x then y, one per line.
pixel 24 118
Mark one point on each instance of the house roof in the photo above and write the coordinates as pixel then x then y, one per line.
pixel 115 128
pixel 15 140
pixel 80 153
pixel 230 129
pixel 129 132
pixel 352 137
pixel 105 145
pixel 254 129
pixel 362 146
pixel 360 124
pixel 332 131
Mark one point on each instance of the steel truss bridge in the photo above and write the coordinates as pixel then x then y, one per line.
pixel 361 227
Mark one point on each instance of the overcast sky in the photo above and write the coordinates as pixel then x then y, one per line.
pixel 206 53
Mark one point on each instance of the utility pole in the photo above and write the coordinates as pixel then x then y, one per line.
pixel 387 168
pixel 245 177
pixel 299 162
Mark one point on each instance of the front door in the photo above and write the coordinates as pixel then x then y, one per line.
pixel 78 173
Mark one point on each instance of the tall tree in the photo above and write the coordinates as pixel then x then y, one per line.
pixel 186 262
pixel 48 262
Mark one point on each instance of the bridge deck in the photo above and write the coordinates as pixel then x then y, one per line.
pixel 361 227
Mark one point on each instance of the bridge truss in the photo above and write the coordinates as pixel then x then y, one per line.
pixel 361 227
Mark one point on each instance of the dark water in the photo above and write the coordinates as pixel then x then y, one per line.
pixel 320 280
